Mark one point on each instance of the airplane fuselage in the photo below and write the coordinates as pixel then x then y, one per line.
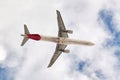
pixel 62 40
pixel 58 40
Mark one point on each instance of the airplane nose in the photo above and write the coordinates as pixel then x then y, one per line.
pixel 91 44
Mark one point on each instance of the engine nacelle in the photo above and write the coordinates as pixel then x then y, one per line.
pixel 65 51
pixel 69 31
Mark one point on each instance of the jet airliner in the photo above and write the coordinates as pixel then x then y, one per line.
pixel 62 40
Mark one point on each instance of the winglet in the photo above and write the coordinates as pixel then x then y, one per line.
pixel 58 12
pixel 48 66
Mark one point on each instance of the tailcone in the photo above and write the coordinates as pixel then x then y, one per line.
pixel 22 34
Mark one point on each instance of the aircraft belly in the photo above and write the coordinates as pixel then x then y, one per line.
pixel 65 41
pixel 61 40
pixel 77 42
pixel 51 39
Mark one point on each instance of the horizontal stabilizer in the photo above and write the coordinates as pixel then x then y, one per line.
pixel 26 31
pixel 24 41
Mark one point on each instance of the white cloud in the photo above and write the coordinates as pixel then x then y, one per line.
pixel 2 54
pixel 40 16
pixel 85 18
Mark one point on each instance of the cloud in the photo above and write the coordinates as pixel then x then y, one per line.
pixel 2 54
pixel 102 55
pixel 6 73
pixel 89 21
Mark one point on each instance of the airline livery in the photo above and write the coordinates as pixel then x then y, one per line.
pixel 62 40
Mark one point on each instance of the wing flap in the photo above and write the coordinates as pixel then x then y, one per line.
pixel 61 26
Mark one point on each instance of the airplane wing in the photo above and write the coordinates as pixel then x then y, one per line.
pixel 61 26
pixel 61 33
pixel 56 53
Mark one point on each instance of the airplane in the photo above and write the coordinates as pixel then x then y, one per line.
pixel 62 40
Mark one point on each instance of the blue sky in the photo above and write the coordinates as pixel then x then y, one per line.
pixel 95 21
pixel 107 17
pixel 7 73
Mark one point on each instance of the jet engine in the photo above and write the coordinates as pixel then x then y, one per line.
pixel 69 31
pixel 65 51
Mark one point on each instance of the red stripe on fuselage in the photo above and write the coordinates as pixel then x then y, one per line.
pixel 34 36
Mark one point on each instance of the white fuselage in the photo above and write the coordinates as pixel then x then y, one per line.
pixel 65 41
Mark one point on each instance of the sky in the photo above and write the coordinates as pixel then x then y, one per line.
pixel 91 20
